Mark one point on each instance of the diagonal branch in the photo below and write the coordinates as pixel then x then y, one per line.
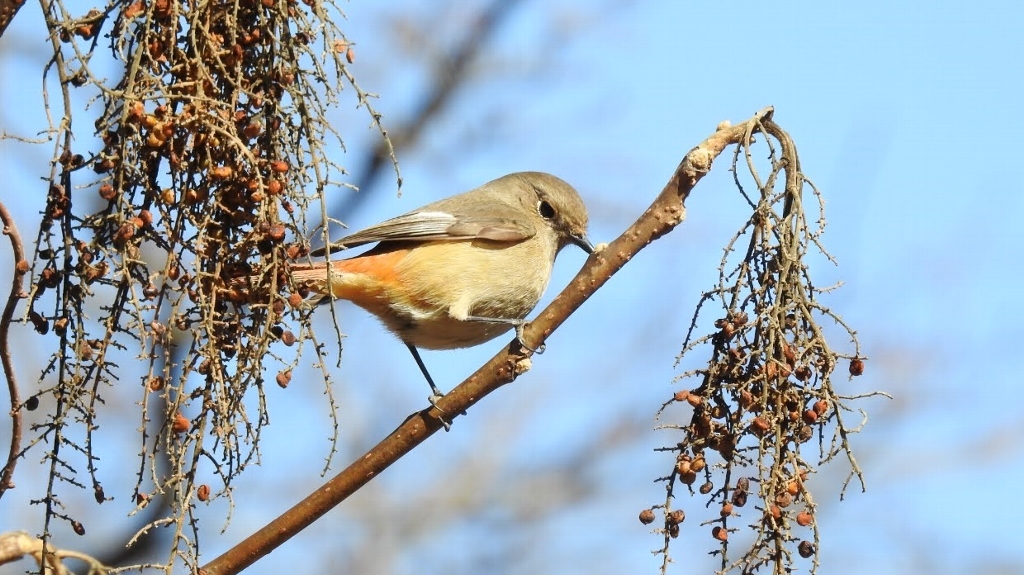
pixel 661 217
pixel 8 10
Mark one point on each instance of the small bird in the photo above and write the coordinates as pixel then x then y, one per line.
pixel 460 271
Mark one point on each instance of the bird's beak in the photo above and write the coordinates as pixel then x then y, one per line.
pixel 583 242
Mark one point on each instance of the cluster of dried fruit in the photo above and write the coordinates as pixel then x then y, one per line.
pixel 766 389
pixel 213 144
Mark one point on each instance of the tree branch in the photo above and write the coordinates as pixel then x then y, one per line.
pixel 8 10
pixel 20 269
pixel 661 217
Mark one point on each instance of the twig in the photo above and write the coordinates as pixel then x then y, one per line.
pixel 20 269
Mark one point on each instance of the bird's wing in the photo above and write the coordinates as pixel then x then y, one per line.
pixel 437 226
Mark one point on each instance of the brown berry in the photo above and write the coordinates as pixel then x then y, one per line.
pixel 252 130
pixel 221 172
pixel 804 518
pixel 806 549
pixel 130 12
pixel 820 407
pixel 203 493
pixel 720 533
pixel 784 499
pixel 739 498
pixel 676 517
pixel 284 377
pixel 40 324
pixel 804 434
pixel 789 353
pixel 156 383
pixel 856 366
pixel 86 31
pixel 698 463
pixel 107 192
pixel 803 373
pixel 810 416
pixel 276 232
pixel 647 516
pixel 180 424
pixel 726 509
pixel 760 426
pixel 78 527
pixel 793 488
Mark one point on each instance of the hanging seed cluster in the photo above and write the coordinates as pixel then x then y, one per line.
pixel 165 242
pixel 763 410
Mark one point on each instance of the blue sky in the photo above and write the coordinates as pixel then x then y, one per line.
pixel 907 117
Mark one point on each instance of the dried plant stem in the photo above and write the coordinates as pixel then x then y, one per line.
pixel 17 293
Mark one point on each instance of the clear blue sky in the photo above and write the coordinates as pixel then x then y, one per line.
pixel 907 117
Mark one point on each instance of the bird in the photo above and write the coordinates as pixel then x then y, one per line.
pixel 460 271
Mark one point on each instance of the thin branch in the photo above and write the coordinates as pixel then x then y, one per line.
pixel 20 269
pixel 661 217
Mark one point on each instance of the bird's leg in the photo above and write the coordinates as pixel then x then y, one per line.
pixel 435 392
pixel 519 324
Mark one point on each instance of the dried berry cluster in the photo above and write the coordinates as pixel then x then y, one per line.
pixel 765 392
pixel 211 146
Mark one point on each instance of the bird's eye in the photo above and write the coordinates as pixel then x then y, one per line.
pixel 545 210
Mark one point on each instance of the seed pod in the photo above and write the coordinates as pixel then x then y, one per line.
pixel 804 519
pixel 676 517
pixel 647 516
pixel 856 366
pixel 284 377
pixel 180 424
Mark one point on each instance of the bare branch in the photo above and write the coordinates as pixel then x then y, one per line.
pixel 8 10
pixel 17 292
